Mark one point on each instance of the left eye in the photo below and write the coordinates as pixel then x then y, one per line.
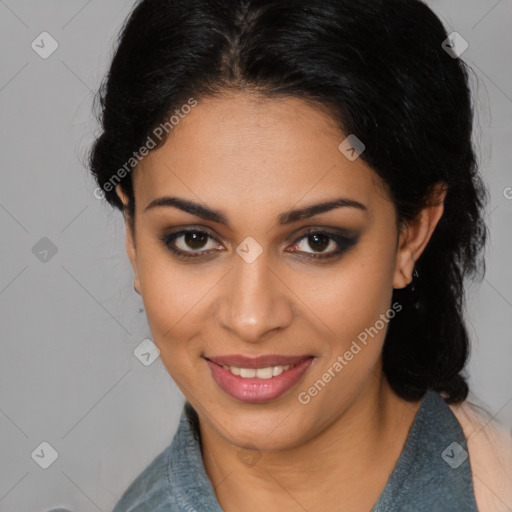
pixel 318 241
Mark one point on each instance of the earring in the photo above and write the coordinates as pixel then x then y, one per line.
pixel 415 275
pixel 407 295
pixel 137 291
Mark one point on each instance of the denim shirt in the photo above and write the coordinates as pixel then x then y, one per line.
pixel 432 474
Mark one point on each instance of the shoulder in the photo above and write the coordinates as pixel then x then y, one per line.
pixel 150 490
pixel 175 478
pixel 489 446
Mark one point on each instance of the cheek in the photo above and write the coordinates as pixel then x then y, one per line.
pixel 173 298
pixel 351 296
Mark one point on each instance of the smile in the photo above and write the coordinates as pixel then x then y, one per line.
pixel 256 380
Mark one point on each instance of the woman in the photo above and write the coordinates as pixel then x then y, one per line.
pixel 302 208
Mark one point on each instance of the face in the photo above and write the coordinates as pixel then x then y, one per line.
pixel 253 279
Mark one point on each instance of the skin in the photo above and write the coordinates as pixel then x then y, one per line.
pixel 254 158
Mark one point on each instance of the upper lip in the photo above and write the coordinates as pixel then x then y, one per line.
pixel 263 361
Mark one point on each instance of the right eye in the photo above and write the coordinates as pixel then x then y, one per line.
pixel 189 239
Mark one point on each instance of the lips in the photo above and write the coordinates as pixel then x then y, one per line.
pixel 248 379
pixel 257 362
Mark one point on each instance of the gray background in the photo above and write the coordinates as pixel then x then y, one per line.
pixel 70 324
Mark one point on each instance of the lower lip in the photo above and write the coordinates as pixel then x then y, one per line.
pixel 254 390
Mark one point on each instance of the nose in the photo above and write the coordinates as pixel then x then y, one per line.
pixel 255 301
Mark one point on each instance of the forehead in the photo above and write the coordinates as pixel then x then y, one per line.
pixel 248 148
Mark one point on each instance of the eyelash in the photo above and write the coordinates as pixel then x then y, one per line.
pixel 344 243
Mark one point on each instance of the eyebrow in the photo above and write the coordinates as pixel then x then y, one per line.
pixel 285 218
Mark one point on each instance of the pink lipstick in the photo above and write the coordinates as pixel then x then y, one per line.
pixel 258 379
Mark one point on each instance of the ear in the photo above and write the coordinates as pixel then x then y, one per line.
pixel 130 237
pixel 415 235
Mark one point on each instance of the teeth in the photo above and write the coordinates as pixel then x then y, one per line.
pixel 277 370
pixel 259 373
pixel 264 373
pixel 247 373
